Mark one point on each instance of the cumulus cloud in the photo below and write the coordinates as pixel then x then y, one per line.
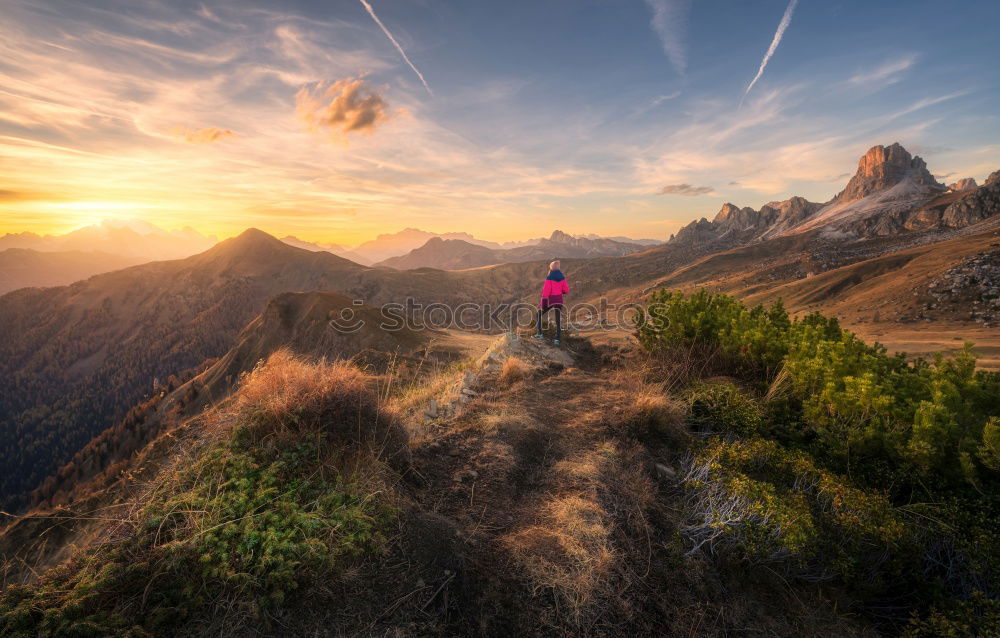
pixel 341 108
pixel 206 135
pixel 669 23
pixel 685 189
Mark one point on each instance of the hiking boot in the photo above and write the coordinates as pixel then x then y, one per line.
pixel 555 342
pixel 539 337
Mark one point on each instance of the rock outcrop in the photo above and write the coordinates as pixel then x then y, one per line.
pixel 976 205
pixel 881 168
pixel 964 184
pixel 745 224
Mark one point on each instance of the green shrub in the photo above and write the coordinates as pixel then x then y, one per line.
pixel 976 617
pixel 854 403
pixel 854 464
pixel 723 407
pixel 780 504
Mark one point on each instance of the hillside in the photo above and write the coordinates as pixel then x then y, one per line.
pixel 129 331
pixel 461 499
pixel 25 267
pixel 509 516
pixel 123 332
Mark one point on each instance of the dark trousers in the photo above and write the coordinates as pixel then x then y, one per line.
pixel 542 311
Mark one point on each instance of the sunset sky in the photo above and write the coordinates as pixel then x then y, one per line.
pixel 336 121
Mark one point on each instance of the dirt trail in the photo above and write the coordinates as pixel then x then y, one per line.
pixel 540 490
pixel 548 506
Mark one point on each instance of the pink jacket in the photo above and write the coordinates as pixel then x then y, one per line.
pixel 553 291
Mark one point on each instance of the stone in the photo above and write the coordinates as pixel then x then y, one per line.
pixel 665 472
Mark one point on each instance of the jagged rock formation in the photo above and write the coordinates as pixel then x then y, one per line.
pixel 975 206
pixel 883 167
pixel 741 225
pixel 964 184
pixel 892 192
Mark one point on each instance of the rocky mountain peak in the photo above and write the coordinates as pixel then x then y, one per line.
pixel 727 211
pixel 964 184
pixel 883 167
pixel 561 237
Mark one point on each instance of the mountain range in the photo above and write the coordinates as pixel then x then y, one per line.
pixel 893 244
pixel 891 192
pixel 457 254
pixel 465 254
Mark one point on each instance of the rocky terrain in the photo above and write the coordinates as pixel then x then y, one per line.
pixel 972 288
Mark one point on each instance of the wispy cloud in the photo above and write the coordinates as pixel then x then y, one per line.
pixel 343 107
pixel 924 103
pixel 886 73
pixel 206 135
pixel 395 43
pixel 780 33
pixel 669 22
pixel 686 189
pixel 655 102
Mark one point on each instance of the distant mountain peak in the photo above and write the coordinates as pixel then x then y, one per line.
pixel 964 184
pixel 881 168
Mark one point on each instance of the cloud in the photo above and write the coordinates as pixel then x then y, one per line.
pixel 343 107
pixel 406 58
pixel 685 189
pixel 785 21
pixel 887 73
pixel 206 135
pixel 669 22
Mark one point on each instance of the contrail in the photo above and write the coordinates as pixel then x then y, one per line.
pixel 420 75
pixel 785 21
pixel 668 22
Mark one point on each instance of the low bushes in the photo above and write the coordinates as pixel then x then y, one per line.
pixel 836 459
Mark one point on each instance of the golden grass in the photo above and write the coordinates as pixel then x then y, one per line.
pixel 514 369
pixel 504 417
pixel 286 385
pixel 602 492
pixel 569 551
pixel 287 396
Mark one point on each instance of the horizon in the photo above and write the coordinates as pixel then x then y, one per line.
pixel 345 122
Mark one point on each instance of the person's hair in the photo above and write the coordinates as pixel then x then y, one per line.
pixel 554 265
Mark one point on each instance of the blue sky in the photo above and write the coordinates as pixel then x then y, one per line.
pixel 303 117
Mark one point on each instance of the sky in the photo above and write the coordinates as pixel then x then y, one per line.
pixel 336 121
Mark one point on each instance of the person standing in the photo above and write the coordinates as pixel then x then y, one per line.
pixel 553 289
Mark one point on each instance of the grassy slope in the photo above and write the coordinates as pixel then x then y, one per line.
pixel 520 514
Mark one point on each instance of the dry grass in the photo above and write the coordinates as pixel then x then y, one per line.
pixel 504 417
pixel 601 495
pixel 514 369
pixel 569 551
pixel 287 396
pixel 654 413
